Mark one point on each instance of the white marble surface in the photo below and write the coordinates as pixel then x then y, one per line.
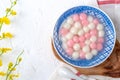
pixel 33 27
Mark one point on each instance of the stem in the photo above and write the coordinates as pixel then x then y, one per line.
pixel 1 54
pixel 16 63
pixel 1 26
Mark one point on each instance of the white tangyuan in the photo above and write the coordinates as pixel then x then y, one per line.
pixel 86 49
pixel 69 36
pixel 88 56
pixel 87 42
pixel 94 52
pixel 67 25
pixel 90 18
pixel 86 29
pixel 93 38
pixel 75 55
pixel 101 33
pixel 77 25
pixel 91 26
pixel 76 47
pixel 64 45
pixel 70 20
pixel 64 39
pixel 100 27
pixel 74 30
pixel 81 32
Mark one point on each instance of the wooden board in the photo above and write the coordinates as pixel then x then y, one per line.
pixel 111 67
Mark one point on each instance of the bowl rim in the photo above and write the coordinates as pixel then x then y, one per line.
pixel 109 52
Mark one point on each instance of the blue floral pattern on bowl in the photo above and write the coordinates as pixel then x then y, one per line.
pixel 110 37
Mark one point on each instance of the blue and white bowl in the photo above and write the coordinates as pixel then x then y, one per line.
pixel 110 37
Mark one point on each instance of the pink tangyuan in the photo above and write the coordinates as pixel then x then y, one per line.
pixel 76 17
pixel 81 38
pixel 99 46
pixel 93 45
pixel 69 51
pixel 82 55
pixel 70 43
pixel 95 21
pixel 76 39
pixel 85 22
pixel 94 32
pixel 87 35
pixel 82 44
pixel 101 40
pixel 83 16
pixel 63 31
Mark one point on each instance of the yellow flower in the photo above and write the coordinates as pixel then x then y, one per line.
pixel 0 20
pixel 14 75
pixel 10 77
pixel 10 65
pixel 20 59
pixel 6 20
pixel 7 9
pixel 15 2
pixel 2 73
pixel 1 62
pixel 14 69
pixel 13 12
pixel 7 35
pixel 5 50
